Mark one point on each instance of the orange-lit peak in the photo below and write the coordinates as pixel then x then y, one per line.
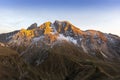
pixel 57 21
pixel 66 26
pixel 47 29
pixel 46 24
pixel 22 29
pixel 26 33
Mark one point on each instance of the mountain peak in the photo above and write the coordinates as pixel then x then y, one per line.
pixel 61 23
pixel 33 26
pixel 47 27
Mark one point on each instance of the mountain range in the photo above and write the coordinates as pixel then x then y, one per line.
pixel 60 51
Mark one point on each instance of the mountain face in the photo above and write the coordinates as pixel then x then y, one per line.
pixel 5 37
pixel 50 34
pixel 59 51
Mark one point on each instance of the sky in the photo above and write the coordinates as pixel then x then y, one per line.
pixel 102 15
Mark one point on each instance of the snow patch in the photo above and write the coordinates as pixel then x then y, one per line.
pixel 84 49
pixel 103 54
pixel 80 39
pixel 68 38
pixel 110 38
pixel 9 37
pixel 36 39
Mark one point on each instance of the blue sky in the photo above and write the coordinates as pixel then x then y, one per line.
pixel 103 15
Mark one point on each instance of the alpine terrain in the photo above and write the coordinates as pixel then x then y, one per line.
pixel 59 51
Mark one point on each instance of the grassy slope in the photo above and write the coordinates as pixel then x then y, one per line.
pixel 6 51
pixel 69 64
pixel 12 67
pixel 63 62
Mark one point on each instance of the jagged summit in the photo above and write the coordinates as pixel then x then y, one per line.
pixel 33 26
pixel 51 32
pixel 59 26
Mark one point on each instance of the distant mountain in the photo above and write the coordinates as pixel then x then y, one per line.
pixel 61 51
